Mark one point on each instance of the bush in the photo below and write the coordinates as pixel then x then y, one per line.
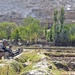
pixel 13 68
pixel 31 56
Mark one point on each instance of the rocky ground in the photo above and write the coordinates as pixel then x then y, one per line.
pixel 41 68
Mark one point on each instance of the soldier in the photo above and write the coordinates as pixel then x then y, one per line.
pixel 10 47
pixel 3 49
pixel 10 50
pixel 3 45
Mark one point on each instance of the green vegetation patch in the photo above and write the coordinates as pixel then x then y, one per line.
pixel 29 56
pixel 13 68
pixel 27 69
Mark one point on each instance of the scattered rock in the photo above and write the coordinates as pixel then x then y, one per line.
pixel 50 67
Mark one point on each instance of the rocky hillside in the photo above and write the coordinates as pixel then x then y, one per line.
pixel 25 7
pixel 15 10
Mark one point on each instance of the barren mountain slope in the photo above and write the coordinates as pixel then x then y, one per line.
pixel 25 7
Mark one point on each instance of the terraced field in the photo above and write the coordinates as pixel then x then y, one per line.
pixel 41 61
pixel 64 60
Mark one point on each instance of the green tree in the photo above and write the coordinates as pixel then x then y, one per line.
pixel 6 28
pixel 72 33
pixel 58 30
pixel 31 30
pixel 15 35
pixel 52 33
pixel 56 26
pixel 62 17
pixel 55 16
pixel 30 20
pixel 46 32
